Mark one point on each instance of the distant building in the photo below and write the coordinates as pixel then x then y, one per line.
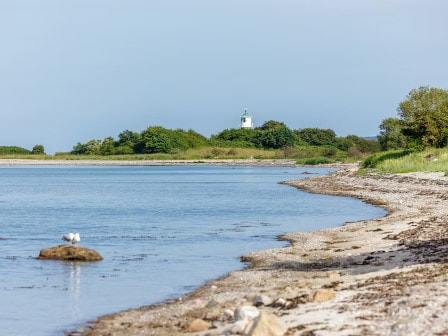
pixel 246 120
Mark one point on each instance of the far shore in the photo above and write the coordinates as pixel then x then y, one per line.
pixel 385 276
pixel 205 162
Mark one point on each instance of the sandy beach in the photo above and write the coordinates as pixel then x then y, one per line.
pixel 385 276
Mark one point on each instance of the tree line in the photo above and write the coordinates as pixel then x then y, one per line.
pixel 271 135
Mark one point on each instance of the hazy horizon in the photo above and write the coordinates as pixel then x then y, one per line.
pixel 76 70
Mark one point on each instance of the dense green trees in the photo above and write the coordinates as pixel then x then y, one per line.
pixel 271 135
pixel 424 114
pixel 274 134
pixel 423 121
pixel 235 137
pixel 391 134
pixel 38 149
pixel 317 136
pixel 154 139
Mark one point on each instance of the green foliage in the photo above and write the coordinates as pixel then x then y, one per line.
pixel 38 149
pixel 274 134
pixel 235 137
pixel 425 116
pixel 93 147
pixel 317 136
pixel 391 134
pixel 79 149
pixel 13 150
pixel 154 139
pixel 108 146
pixel 157 140
pixel 120 150
pixel 356 143
pixel 271 135
pixel 271 124
pixel 129 139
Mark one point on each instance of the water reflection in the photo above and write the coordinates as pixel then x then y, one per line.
pixel 74 286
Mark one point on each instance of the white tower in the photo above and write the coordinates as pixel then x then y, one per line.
pixel 246 120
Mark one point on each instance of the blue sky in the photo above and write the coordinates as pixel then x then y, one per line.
pixel 73 70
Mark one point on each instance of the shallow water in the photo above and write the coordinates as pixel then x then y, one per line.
pixel 162 231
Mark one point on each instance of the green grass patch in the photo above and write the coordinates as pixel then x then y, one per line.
pixel 374 160
pixel 429 160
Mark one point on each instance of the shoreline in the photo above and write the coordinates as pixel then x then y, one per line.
pixel 388 275
pixel 199 162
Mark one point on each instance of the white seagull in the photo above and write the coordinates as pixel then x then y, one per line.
pixel 68 237
pixel 76 239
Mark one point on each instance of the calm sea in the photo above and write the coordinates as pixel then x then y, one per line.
pixel 162 231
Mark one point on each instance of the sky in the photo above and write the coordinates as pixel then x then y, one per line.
pixel 74 70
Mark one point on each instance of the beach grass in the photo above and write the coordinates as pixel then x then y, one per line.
pixel 192 154
pixel 403 161
pixel 303 155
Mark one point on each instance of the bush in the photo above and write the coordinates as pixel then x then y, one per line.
pixel 235 136
pixel 317 136
pixel 8 150
pixel 38 149
pixel 354 152
pixel 274 135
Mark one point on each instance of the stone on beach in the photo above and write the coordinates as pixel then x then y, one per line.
pixel 280 302
pixel 246 312
pixel 267 325
pixel 262 300
pixel 212 303
pixel 199 325
pixel 239 327
pixel 322 294
pixel 69 253
pixel 228 313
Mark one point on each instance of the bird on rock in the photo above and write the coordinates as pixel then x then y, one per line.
pixel 68 237
pixel 76 239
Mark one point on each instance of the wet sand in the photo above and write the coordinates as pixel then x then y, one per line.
pixel 388 275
